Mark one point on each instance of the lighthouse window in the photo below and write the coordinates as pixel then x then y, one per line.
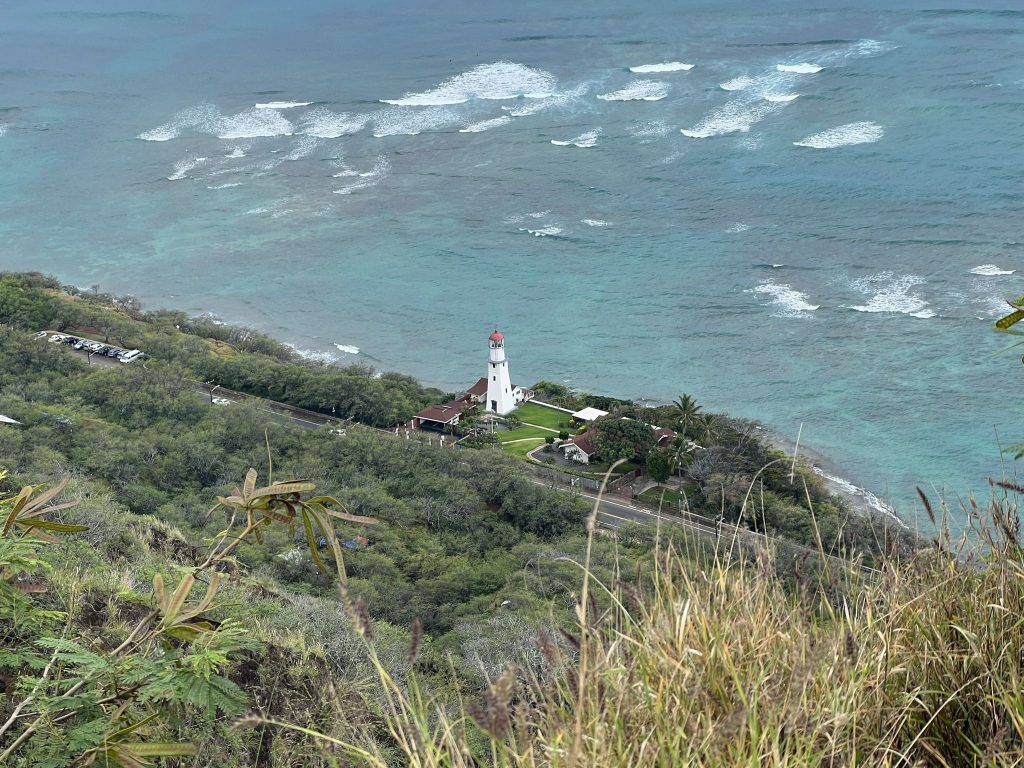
pixel 494 378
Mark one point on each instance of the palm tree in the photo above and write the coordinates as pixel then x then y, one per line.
pixel 681 455
pixel 686 411
pixel 706 429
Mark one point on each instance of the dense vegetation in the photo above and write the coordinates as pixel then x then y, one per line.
pixel 456 565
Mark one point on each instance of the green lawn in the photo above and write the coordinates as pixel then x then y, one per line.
pixel 519 434
pixel 523 448
pixel 542 416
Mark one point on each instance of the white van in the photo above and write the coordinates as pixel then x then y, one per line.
pixel 130 355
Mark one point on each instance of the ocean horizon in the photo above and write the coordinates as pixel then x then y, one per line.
pixel 807 217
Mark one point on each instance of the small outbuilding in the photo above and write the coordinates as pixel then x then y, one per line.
pixel 441 417
pixel 580 449
pixel 589 414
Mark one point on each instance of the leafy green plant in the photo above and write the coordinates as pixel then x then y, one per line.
pixel 116 707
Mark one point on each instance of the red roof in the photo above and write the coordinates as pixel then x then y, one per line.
pixel 479 389
pixel 442 414
pixel 496 336
pixel 585 443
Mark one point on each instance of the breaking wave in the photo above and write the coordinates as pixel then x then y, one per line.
pixel 543 231
pixel 737 83
pixel 283 104
pixel 555 100
pixel 844 136
pixel 399 121
pixel 665 66
pixel 782 98
pixel 791 302
pixel 800 69
pixel 638 90
pixel 206 118
pixel 732 117
pixel 889 293
pixel 855 490
pixel 348 349
pixel 371 178
pixel 484 125
pixel 595 222
pixel 182 167
pixel 325 124
pixel 584 140
pixel 990 270
pixel 500 80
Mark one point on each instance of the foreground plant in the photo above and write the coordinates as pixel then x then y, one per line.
pixel 86 705
pixel 722 661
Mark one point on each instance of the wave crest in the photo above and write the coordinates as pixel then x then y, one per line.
pixel 638 90
pixel 500 80
pixel 665 66
pixel 844 136
pixel 790 302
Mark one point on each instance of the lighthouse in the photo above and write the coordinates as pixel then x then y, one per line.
pixel 501 395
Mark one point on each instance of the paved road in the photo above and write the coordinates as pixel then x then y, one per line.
pixel 612 513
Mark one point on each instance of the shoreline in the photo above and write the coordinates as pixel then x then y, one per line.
pixel 861 500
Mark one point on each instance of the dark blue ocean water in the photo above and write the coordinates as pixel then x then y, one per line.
pixel 620 227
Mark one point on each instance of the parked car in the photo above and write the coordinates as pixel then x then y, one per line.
pixel 58 339
pixel 127 357
pixel 114 352
pixel 221 401
pixel 80 344
pixel 40 335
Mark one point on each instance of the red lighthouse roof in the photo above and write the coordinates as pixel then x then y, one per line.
pixel 496 336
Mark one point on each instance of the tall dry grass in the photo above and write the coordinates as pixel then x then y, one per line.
pixel 721 662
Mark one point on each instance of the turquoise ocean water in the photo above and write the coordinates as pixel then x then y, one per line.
pixel 815 223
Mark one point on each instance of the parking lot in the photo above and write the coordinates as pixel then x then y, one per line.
pixel 94 351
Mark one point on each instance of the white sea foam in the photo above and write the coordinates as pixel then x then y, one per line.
pixel 538 214
pixel 484 125
pixel 206 118
pixel 400 121
pixel 316 355
pixel 348 349
pixel 891 293
pixel 3 129
pixel 303 148
pixel 596 222
pixel 182 167
pixel 229 185
pixel 782 98
pixel 254 123
pixel 236 153
pixel 665 66
pixel 791 302
pixel 735 116
pixel 844 136
pixel 738 227
pixel 380 171
pixel 554 101
pixel 325 124
pixel 500 80
pixel 583 141
pixel 800 69
pixel 283 104
pixel 737 83
pixel 991 269
pixel 543 231
pixel 854 490
pixel 638 90
pixel 652 130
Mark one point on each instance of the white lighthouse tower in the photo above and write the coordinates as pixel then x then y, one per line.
pixel 501 397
